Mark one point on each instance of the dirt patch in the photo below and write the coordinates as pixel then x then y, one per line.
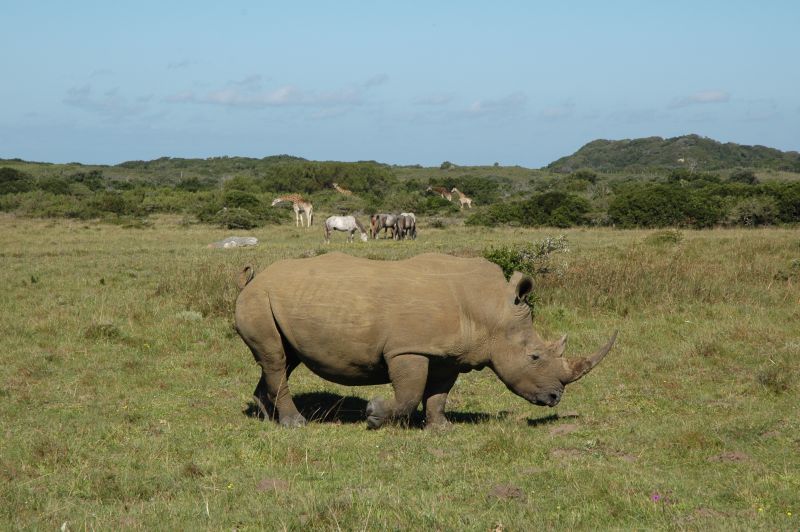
pixel 508 491
pixel 730 456
pixel 272 484
pixel 566 454
pixel 564 429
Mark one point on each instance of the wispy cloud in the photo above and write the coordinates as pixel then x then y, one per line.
pixel 252 82
pixel 111 104
pixel 249 93
pixel 176 65
pixel 434 99
pixel 376 80
pixel 512 103
pixel 701 98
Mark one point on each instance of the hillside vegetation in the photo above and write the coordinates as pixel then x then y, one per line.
pixel 711 187
pixel 688 151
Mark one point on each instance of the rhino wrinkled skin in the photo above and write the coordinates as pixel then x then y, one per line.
pixel 415 323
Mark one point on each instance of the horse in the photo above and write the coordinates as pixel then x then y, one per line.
pixel 405 226
pixel 381 221
pixel 348 224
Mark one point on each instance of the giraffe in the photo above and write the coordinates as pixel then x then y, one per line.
pixel 342 190
pixel 298 204
pixel 462 198
pixel 443 192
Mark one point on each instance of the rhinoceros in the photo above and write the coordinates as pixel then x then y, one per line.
pixel 414 323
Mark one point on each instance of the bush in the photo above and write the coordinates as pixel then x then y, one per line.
pixel 744 176
pixel 662 205
pixel 754 211
pixel 13 181
pixel 534 259
pixel 236 219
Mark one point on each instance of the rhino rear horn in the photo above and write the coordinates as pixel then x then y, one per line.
pixel 582 366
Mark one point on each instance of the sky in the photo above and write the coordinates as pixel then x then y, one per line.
pixel 412 82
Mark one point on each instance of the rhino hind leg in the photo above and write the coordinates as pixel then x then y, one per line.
pixel 260 333
pixel 409 374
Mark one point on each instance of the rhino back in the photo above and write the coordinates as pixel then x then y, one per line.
pixel 346 312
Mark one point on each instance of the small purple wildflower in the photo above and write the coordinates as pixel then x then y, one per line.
pixel 655 496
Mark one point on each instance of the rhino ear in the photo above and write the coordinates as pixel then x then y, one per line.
pixel 522 285
pixel 559 346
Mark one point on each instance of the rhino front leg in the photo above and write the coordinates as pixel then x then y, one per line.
pixel 408 374
pixel 439 385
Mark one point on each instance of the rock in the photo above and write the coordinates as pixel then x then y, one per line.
pixel 235 242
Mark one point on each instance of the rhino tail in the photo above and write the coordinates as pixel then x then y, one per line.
pixel 245 276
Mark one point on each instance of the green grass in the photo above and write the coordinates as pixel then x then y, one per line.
pixel 123 389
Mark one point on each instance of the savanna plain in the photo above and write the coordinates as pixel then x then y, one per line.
pixel 125 393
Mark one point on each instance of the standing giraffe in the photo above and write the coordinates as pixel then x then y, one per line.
pixel 463 199
pixel 298 204
pixel 443 192
pixel 341 190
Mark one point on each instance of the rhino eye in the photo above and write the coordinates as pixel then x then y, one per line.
pixel 534 356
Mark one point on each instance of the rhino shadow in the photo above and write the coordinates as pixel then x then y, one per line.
pixel 326 407
pixel 552 418
pixel 320 407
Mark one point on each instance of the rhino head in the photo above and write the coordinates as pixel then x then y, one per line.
pixel 530 367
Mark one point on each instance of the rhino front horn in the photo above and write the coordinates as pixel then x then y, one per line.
pixel 579 368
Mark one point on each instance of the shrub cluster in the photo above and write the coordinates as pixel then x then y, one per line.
pixel 242 198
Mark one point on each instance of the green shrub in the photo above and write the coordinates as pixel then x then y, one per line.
pixel 236 218
pixel 534 258
pixel 754 211
pixel 13 181
pixel 663 205
pixel 744 176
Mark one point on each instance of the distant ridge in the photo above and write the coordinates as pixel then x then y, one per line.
pixel 687 151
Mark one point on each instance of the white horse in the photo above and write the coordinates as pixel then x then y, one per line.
pixel 348 224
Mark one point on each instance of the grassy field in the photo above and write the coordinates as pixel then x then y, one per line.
pixel 124 392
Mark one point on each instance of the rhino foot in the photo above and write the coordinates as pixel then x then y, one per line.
pixel 294 421
pixel 377 410
pixel 438 425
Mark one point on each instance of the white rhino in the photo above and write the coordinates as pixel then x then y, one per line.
pixel 415 323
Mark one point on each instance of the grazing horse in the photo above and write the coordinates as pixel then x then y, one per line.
pixel 405 226
pixel 348 224
pixel 381 221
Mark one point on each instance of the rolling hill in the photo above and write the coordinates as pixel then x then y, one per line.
pixel 687 151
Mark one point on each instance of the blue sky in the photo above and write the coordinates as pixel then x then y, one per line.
pixel 514 82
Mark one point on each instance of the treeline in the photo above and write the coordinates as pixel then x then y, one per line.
pixel 682 199
pixel 679 198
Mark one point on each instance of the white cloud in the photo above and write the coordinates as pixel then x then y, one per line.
pixel 514 102
pixel 701 98
pixel 110 104
pixel 253 82
pixel 248 93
